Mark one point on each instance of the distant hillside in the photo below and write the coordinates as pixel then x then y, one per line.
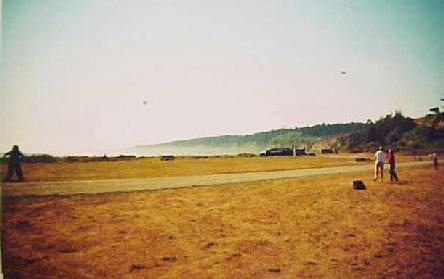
pixel 395 130
pixel 234 144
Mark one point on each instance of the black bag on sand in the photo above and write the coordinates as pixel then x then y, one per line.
pixel 358 185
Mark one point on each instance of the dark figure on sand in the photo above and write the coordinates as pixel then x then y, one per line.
pixel 14 164
pixel 434 157
pixel 391 160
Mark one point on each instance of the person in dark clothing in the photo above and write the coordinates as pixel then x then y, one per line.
pixel 434 157
pixel 14 164
pixel 391 159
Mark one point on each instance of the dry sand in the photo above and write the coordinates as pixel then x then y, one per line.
pixel 310 227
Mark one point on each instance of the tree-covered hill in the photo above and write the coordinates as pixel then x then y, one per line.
pixel 398 132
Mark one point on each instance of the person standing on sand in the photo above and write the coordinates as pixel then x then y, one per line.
pixel 434 157
pixel 379 164
pixel 14 164
pixel 391 160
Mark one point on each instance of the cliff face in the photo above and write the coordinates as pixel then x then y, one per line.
pixel 435 121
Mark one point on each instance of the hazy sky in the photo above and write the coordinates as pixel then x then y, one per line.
pixel 76 73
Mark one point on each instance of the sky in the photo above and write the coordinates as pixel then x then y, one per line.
pixel 91 76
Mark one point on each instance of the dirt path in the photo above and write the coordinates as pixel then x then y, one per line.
pixel 129 185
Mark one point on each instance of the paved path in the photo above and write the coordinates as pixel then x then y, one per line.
pixel 157 183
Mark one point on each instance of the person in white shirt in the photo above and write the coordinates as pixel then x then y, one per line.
pixel 379 163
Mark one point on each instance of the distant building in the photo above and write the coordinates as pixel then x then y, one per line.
pixel 299 152
pixel 278 151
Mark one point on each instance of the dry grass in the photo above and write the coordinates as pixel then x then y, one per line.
pixel 153 167
pixel 314 227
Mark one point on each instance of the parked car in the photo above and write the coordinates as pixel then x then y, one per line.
pixel 166 157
